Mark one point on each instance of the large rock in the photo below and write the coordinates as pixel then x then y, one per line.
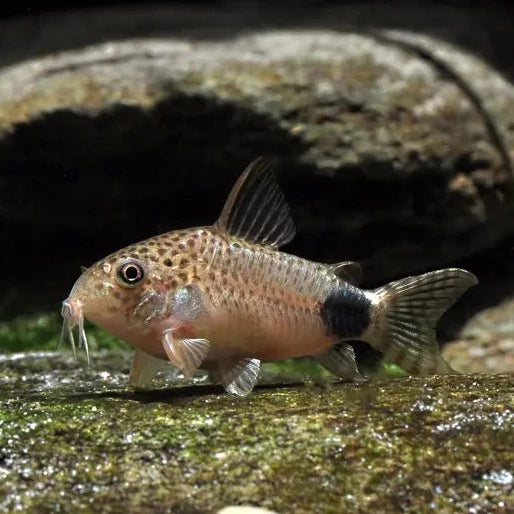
pixel 486 342
pixel 388 157
pixel 81 442
pixel 479 330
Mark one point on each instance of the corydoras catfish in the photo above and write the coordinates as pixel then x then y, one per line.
pixel 224 298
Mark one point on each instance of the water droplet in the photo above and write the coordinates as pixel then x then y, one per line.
pixel 502 477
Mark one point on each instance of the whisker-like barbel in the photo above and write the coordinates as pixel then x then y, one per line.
pixel 72 317
pixel 72 341
pixel 83 338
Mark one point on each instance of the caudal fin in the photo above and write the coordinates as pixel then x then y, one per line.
pixel 406 313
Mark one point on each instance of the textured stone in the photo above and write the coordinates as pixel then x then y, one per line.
pixel 75 441
pixel 486 342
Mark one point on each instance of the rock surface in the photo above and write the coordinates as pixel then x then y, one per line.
pixel 486 342
pixel 387 160
pixel 75 441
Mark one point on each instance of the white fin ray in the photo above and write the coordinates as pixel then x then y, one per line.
pixel 185 354
pixel 264 184
pixel 239 377
pixel 256 210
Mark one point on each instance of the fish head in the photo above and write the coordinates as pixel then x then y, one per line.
pixel 118 293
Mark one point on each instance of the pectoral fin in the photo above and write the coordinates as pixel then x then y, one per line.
pixel 340 360
pixel 237 377
pixel 185 354
pixel 145 368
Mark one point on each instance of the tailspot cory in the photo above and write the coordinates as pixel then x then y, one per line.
pixel 224 298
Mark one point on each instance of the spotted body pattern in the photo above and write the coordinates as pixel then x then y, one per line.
pixel 224 298
pixel 251 294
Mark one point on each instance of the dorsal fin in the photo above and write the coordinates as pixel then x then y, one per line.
pixel 348 271
pixel 256 210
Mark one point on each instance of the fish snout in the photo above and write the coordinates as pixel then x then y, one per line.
pixel 73 316
pixel 71 311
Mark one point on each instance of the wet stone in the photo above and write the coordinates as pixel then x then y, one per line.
pixel 81 440
pixel 486 341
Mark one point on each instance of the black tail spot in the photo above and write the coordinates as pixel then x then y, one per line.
pixel 346 312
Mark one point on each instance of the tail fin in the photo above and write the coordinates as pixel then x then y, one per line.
pixel 406 313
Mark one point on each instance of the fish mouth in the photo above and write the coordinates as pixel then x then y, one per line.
pixel 73 316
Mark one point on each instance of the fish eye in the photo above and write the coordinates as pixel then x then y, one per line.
pixel 130 273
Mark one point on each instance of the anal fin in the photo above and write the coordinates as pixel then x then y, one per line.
pixel 340 360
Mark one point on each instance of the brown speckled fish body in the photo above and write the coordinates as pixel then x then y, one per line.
pixel 256 300
pixel 263 299
pixel 224 298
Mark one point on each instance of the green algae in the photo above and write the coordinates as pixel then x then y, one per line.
pixel 81 441
pixel 41 332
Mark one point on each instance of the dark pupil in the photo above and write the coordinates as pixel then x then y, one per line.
pixel 131 273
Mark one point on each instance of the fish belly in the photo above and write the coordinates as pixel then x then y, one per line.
pixel 267 330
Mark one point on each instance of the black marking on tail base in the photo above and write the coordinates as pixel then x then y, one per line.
pixel 346 312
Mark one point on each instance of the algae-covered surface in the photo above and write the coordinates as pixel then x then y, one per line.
pixel 79 440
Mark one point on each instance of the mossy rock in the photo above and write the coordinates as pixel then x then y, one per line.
pixel 81 441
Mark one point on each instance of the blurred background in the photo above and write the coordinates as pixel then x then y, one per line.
pixel 393 123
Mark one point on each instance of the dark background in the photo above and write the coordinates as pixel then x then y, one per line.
pixel 42 281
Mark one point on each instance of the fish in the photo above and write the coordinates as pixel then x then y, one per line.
pixel 224 298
